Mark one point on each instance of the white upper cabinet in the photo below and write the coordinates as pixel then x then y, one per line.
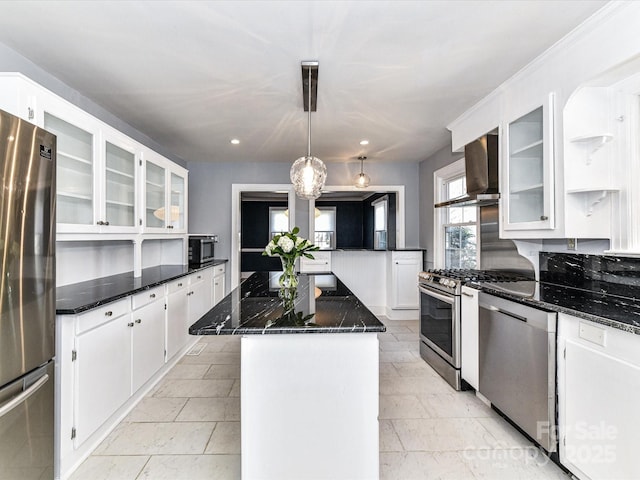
pixel 527 171
pixel 165 195
pixel 107 183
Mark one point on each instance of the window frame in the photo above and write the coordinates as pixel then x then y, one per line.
pixel 441 178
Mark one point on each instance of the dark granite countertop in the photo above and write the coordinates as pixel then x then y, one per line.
pixel 323 304
pixel 604 308
pixel 83 296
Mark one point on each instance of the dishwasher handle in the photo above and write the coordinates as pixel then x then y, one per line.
pixel 504 312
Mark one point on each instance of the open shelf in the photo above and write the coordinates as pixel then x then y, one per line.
pixel 527 148
pixel 593 196
pixel 527 188
pixel 591 143
pixel 75 195
pixel 74 157
pixel 118 172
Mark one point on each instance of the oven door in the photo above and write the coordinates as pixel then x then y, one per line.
pixel 440 323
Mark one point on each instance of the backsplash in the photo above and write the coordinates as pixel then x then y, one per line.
pixel 601 285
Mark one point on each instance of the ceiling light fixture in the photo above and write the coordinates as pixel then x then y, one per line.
pixel 308 174
pixel 364 142
pixel 362 180
pixel 235 141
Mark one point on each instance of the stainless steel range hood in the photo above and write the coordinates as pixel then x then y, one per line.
pixel 481 170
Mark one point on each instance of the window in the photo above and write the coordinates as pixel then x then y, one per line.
pixel 278 220
pixel 455 227
pixel 325 228
pixel 380 223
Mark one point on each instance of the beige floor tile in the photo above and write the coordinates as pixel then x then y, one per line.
pixel 194 388
pixel 157 439
pixel 412 346
pixel 401 406
pixel 386 337
pixel 423 465
pixel 187 371
pixel 210 347
pixel 210 410
pixel 124 467
pixel 225 439
pixel 407 337
pixel 389 441
pixel 442 434
pixel 455 404
pixel 516 463
pixel 398 357
pixel 418 368
pixel 211 358
pixel 387 370
pixel 412 385
pixel 223 371
pixel 192 467
pixel 235 391
pixel 154 409
pixel 397 329
pixel 506 436
pixel 231 347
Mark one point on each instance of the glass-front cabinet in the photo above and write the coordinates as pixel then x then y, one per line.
pixel 165 196
pixel 120 181
pixel 527 171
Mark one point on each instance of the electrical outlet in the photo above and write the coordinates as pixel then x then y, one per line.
pixel 572 243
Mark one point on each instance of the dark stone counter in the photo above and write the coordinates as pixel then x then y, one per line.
pixel 83 296
pixel 322 304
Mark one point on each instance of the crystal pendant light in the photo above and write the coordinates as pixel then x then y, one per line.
pixel 308 173
pixel 362 180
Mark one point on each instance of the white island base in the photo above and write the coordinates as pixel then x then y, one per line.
pixel 309 406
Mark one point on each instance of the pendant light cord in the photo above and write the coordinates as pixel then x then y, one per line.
pixel 309 122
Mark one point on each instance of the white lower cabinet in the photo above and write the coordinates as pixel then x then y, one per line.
pixel 102 375
pixel 147 342
pixel 321 263
pixel 598 387
pixel 218 284
pixel 199 297
pixel 402 290
pixel 469 336
pixel 177 316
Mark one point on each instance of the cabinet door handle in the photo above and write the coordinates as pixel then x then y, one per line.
pixel 544 217
pixel 467 294
pixel 130 324
pixel 138 320
pixel 199 277
pixel 105 223
pixel 100 222
pixel 153 295
pixel 108 314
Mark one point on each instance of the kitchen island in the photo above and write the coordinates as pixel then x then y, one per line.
pixel 309 377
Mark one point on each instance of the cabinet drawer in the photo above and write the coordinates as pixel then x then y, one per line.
pixel 197 277
pixel 320 263
pixel 143 298
pixel 178 284
pixel 218 270
pixel 100 315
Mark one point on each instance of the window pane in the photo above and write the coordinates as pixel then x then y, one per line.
pixel 469 214
pixel 326 220
pixel 380 216
pixel 455 215
pixel 460 246
pixel 278 220
pixel 456 188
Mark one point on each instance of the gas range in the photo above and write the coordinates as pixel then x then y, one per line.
pixel 451 280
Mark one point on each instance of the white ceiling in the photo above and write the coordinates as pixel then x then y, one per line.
pixel 193 75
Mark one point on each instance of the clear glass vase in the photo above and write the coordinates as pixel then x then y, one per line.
pixel 288 279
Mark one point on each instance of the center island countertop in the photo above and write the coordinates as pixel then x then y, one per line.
pixel 322 304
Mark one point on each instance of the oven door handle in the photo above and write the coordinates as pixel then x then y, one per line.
pixel 444 298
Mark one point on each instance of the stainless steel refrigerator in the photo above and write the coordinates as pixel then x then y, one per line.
pixel 27 299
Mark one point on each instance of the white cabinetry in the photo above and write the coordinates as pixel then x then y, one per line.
pixel 598 384
pixel 199 296
pixel 402 287
pixel 177 315
pixel 321 263
pixel 165 195
pixel 527 179
pixel 147 336
pixel 469 336
pixel 102 379
pixel 218 284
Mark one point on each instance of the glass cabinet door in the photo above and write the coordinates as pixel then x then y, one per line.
pixel 155 196
pixel 177 201
pixel 75 171
pixel 529 183
pixel 120 186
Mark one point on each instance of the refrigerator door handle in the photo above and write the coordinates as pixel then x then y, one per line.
pixel 18 399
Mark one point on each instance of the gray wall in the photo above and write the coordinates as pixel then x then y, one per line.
pixel 11 61
pixel 438 160
pixel 210 193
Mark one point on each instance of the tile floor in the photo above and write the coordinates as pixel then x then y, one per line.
pixel 188 427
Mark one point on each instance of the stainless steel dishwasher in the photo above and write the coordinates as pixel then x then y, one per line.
pixel 517 347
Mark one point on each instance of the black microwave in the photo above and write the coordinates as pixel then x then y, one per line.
pixel 201 249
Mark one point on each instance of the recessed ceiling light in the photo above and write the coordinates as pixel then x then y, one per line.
pixel 364 142
pixel 235 141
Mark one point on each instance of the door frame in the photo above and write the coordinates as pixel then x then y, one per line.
pixel 236 226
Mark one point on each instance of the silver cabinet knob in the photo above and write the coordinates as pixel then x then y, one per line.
pixel 138 320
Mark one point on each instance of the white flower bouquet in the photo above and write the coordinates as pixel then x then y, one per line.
pixel 289 247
